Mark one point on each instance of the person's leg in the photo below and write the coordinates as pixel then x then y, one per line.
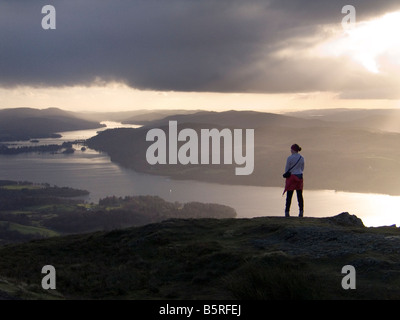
pixel 300 200
pixel 289 195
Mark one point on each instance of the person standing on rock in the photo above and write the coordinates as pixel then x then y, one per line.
pixel 294 179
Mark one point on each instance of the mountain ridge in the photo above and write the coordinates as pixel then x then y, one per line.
pixel 239 119
pixel 337 157
pixel 30 123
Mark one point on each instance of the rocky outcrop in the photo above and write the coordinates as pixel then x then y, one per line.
pixel 337 236
pixel 346 219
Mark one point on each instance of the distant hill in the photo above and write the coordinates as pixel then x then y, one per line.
pixel 338 156
pixel 378 119
pixel 239 119
pixel 266 258
pixel 142 116
pixel 28 123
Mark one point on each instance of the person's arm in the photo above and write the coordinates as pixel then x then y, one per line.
pixel 287 167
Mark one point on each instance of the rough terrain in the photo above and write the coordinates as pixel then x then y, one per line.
pixel 259 258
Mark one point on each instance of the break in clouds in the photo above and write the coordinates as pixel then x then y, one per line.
pixel 185 45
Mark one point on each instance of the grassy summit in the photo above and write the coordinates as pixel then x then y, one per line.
pixel 259 258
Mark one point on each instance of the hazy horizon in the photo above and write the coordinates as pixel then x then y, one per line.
pixel 258 55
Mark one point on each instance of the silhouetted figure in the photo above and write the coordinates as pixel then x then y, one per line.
pixel 294 179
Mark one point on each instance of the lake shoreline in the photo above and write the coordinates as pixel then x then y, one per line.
pixel 53 149
pixel 94 171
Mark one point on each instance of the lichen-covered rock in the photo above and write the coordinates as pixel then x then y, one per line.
pixel 346 219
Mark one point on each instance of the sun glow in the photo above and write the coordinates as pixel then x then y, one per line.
pixel 374 44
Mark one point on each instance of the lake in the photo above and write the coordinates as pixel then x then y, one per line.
pixel 95 172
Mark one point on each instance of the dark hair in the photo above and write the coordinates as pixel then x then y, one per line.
pixel 296 147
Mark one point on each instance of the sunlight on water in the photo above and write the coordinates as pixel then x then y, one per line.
pixel 381 210
pixel 76 135
pixel 95 172
pixel 373 209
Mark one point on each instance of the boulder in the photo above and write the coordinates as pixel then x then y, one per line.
pixel 346 219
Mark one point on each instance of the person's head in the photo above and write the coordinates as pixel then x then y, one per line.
pixel 295 148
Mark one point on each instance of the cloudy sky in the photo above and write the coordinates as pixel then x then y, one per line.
pixel 207 54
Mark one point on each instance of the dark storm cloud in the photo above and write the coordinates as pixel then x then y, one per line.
pixel 182 45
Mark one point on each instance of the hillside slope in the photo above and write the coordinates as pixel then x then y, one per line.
pixel 259 258
pixel 337 157
pixel 378 119
pixel 28 123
